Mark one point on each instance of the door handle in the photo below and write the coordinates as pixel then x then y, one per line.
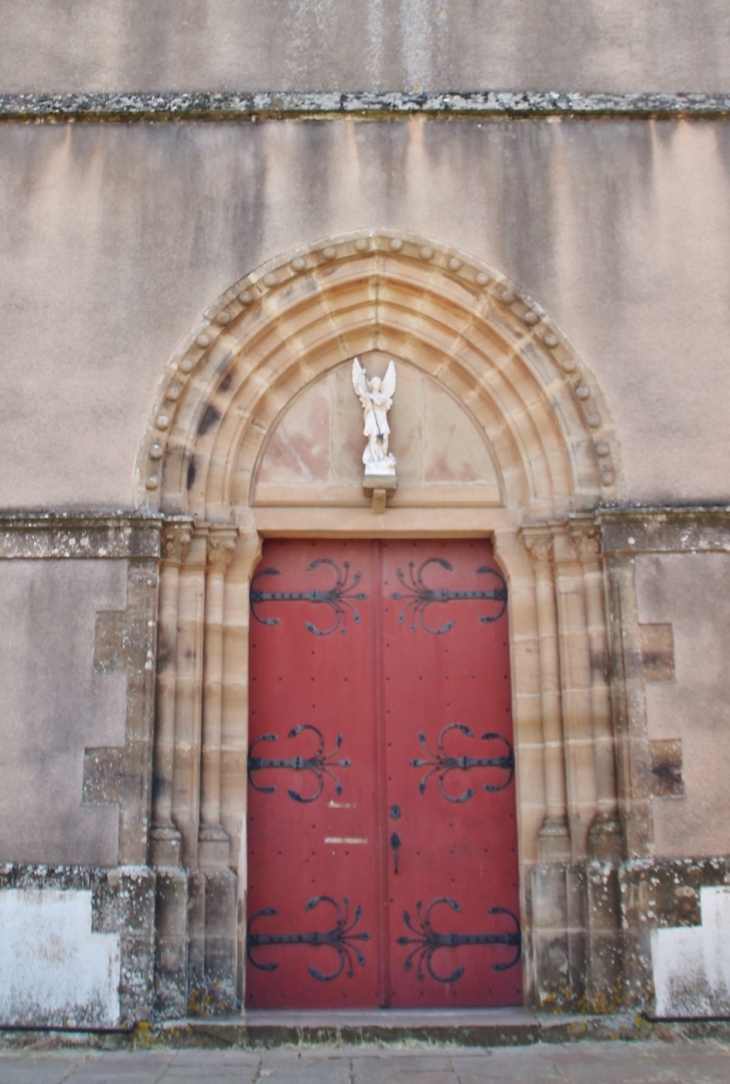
pixel 395 845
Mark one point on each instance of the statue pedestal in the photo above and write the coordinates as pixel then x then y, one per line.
pixel 379 487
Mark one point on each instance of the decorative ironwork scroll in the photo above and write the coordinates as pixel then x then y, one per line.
pixel 320 764
pixel 340 597
pixel 442 763
pixel 340 938
pixel 418 596
pixel 428 941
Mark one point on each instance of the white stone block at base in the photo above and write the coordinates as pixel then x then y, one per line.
pixel 53 969
pixel 691 964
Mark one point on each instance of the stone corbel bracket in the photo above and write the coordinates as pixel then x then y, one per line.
pixel 379 488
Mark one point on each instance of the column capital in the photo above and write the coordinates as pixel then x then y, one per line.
pixel 586 539
pixel 538 541
pixel 175 542
pixel 220 548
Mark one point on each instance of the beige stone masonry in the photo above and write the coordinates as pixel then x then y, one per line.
pixel 189 700
pixel 214 848
pixel 657 652
pixel 49 536
pixel 125 640
pixel 165 838
pixel 666 767
pixel 644 653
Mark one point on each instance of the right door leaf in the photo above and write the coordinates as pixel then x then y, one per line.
pixel 453 897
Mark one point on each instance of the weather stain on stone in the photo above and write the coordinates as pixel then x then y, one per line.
pixel 210 418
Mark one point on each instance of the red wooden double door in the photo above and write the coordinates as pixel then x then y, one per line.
pixel 382 842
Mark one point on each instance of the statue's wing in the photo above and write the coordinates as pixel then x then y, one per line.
pixel 389 380
pixel 359 380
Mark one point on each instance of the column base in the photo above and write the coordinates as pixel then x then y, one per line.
pixel 214 847
pixel 165 846
pixel 553 840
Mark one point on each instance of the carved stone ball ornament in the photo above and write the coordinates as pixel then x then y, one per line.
pixel 376 399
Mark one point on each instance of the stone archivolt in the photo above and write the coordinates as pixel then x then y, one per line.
pixel 284 325
pixel 547 429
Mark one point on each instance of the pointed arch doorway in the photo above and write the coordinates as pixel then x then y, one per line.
pixel 218 464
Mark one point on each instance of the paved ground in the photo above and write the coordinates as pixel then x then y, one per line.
pixel 706 1062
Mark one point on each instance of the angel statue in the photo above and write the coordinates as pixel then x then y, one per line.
pixel 376 399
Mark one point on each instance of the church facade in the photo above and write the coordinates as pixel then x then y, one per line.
pixel 410 693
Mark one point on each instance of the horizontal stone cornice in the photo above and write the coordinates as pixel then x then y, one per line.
pixel 683 529
pixel 624 530
pixel 48 535
pixel 272 105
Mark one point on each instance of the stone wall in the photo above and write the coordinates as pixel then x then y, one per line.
pixel 355 45
pixel 122 235
pixel 77 898
pixel 552 260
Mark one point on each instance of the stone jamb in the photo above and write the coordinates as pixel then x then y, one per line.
pixel 165 841
pixel 214 844
pixel 189 695
pixel 554 840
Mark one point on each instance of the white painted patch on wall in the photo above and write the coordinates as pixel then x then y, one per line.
pixel 691 964
pixel 53 969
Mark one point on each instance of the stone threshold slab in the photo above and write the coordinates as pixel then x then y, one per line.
pixel 452 1027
